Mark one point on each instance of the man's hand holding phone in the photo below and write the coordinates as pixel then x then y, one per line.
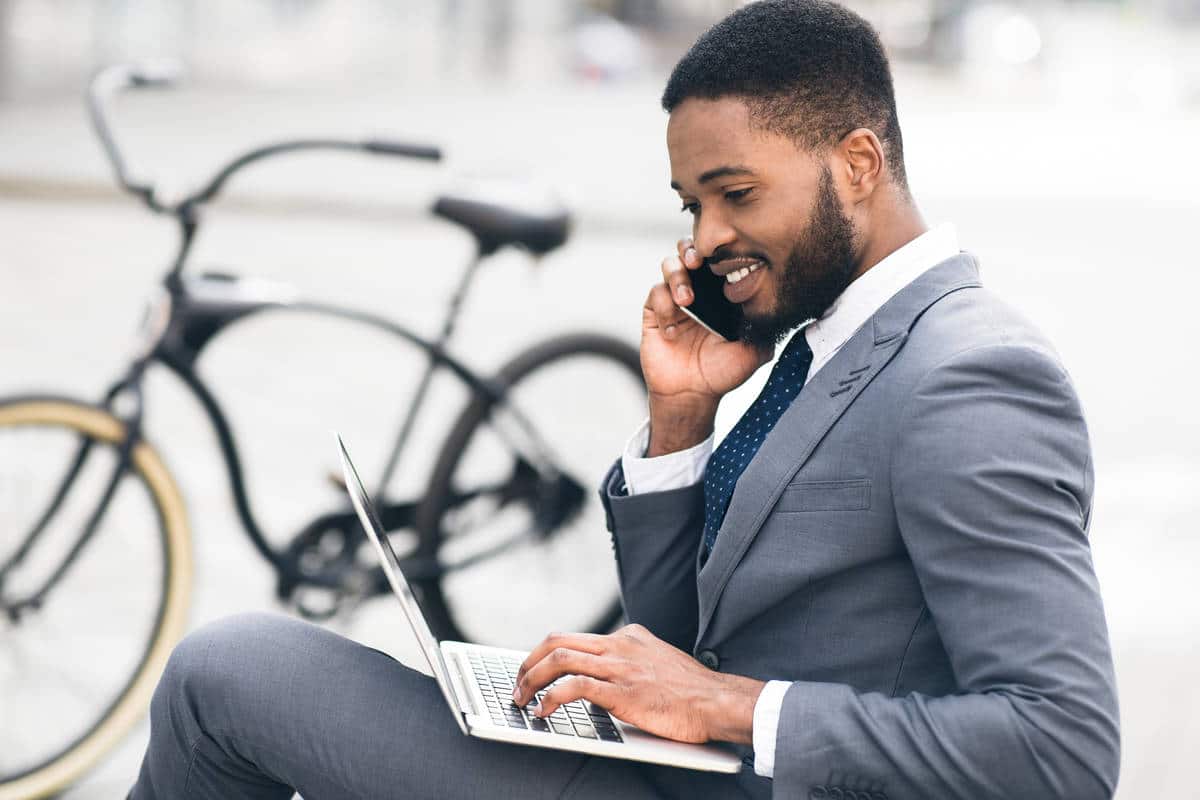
pixel 688 368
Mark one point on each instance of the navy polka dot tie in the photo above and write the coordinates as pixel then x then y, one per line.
pixel 729 460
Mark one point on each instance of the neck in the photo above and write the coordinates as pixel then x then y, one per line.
pixel 899 224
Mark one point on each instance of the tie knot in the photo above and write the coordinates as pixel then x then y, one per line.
pixel 797 347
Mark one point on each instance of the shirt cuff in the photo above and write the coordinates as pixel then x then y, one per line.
pixel 766 725
pixel 661 473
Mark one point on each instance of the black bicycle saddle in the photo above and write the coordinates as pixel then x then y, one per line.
pixel 500 217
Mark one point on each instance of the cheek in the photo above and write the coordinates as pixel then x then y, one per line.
pixel 772 234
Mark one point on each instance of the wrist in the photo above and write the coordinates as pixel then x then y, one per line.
pixel 678 423
pixel 729 712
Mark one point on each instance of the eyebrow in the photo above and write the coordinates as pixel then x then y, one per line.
pixel 719 172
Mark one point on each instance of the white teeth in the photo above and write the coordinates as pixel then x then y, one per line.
pixel 738 274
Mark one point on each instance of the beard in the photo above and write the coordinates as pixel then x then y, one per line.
pixel 819 267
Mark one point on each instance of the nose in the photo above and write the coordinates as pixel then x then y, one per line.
pixel 711 231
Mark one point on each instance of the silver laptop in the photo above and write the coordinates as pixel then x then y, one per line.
pixel 477 682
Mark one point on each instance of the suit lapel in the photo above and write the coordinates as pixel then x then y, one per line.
pixel 814 411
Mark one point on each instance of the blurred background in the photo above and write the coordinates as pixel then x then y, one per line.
pixel 1059 138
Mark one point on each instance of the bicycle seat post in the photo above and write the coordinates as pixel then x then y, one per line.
pixel 460 293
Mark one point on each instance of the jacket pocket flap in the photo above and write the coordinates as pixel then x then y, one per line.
pixel 847 495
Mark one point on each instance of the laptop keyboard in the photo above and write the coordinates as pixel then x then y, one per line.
pixel 496 676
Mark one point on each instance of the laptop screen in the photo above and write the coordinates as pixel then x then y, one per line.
pixel 391 567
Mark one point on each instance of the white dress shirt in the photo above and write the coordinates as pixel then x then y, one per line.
pixel 825 337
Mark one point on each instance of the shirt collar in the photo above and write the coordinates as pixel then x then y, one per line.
pixel 862 298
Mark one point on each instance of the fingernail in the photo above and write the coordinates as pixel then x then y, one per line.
pixel 681 294
pixel 537 710
pixel 516 694
pixel 670 331
pixel 689 255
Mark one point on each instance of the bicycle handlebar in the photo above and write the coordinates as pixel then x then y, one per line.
pixel 108 81
pixel 375 146
pixel 418 151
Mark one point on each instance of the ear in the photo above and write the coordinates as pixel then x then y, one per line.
pixel 863 165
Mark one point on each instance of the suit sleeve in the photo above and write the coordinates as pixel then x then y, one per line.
pixel 655 537
pixel 992 485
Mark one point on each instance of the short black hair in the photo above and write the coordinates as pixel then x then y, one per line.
pixel 808 69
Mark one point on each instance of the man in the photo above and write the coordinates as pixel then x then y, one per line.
pixel 877 586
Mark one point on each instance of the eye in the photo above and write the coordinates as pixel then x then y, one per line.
pixel 691 208
pixel 738 194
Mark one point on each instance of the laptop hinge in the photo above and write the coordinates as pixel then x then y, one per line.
pixel 459 686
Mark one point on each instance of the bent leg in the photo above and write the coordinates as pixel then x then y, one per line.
pixel 258 704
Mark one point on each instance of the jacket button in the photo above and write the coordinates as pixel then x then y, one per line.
pixel 820 792
pixel 709 659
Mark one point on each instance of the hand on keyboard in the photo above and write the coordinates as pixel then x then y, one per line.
pixel 496 677
pixel 640 679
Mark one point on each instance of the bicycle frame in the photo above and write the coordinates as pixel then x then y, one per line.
pixel 191 312
pixel 202 308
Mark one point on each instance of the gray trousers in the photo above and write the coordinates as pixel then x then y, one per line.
pixel 259 705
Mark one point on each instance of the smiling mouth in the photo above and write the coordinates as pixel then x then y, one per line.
pixel 743 282
pixel 738 274
pixel 737 268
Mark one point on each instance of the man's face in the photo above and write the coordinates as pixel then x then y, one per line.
pixel 759 201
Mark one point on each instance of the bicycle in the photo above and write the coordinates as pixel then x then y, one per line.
pixel 79 476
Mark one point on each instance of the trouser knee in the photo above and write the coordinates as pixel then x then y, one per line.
pixel 214 660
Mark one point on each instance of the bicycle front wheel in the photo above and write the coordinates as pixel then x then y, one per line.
pixel 78 664
pixel 584 394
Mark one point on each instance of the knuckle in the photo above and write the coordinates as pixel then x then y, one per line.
pixel 663 305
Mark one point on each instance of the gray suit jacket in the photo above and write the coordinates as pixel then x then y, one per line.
pixel 909 548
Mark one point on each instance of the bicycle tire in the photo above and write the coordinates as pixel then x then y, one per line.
pixel 444 611
pixel 59 770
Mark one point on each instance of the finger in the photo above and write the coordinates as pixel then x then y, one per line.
pixel 584 642
pixel 675 275
pixel 578 687
pixel 687 252
pixel 661 312
pixel 557 663
pixel 660 303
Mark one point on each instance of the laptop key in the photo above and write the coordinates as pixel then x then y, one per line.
pixel 562 727
pixel 585 732
pixel 539 724
pixel 609 735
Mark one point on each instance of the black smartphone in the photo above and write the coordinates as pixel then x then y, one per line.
pixel 710 308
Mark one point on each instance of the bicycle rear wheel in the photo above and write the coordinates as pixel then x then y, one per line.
pixel 77 669
pixel 585 395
